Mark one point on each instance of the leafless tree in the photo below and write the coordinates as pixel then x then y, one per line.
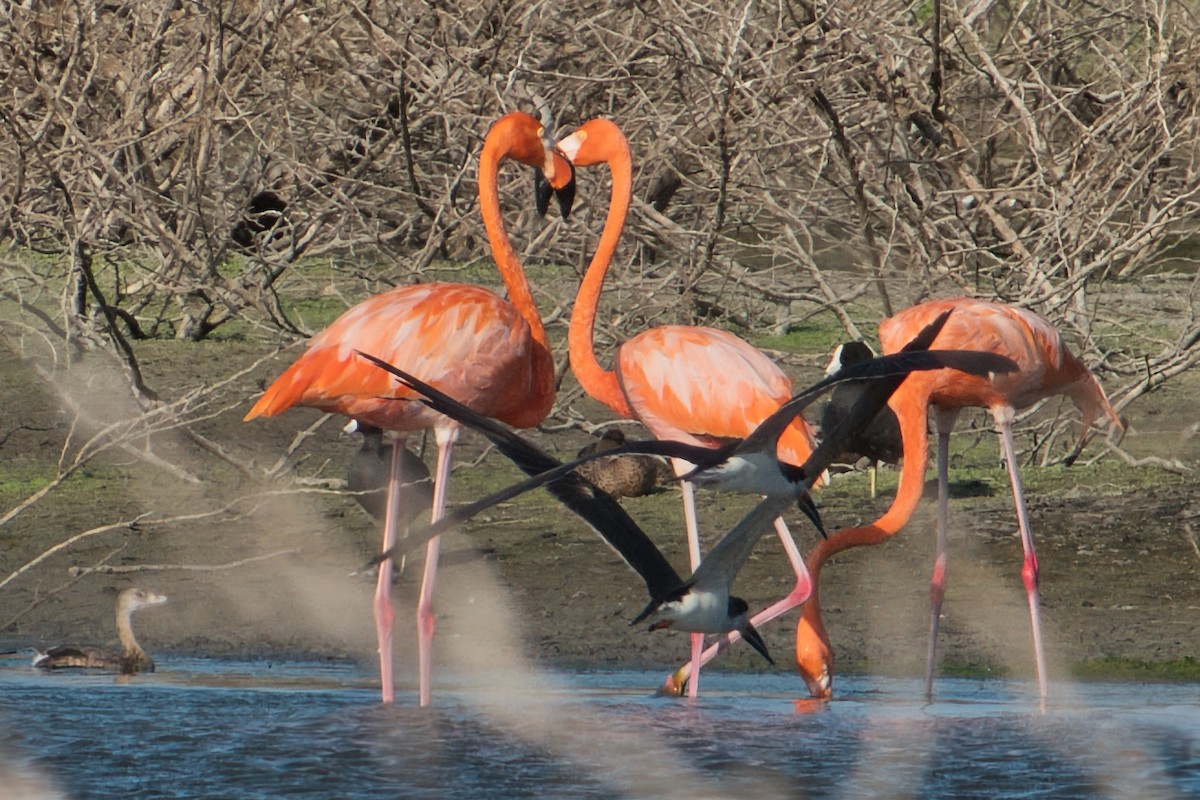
pixel 182 164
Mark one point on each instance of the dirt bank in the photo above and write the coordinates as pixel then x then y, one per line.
pixel 265 568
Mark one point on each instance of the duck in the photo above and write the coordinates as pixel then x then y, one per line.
pixel 131 660
pixel 629 475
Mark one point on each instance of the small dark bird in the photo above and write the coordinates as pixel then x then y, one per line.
pixel 131 660
pixel 629 475
pixel 370 469
pixel 264 213
pixel 877 442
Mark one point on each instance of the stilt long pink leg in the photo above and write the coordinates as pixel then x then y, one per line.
pixel 446 436
pixel 384 615
pixel 1029 569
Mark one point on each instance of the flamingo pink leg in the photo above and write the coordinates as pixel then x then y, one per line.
pixel 937 583
pixel 384 615
pixel 446 436
pixel 1003 416
pixel 1029 569
pixel 693 536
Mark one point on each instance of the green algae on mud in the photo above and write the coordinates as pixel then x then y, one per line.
pixel 1106 668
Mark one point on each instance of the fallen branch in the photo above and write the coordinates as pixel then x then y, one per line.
pixel 130 524
pixel 297 440
pixel 76 572
pixel 1168 464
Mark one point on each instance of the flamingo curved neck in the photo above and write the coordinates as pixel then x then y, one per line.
pixel 598 382
pixel 495 150
pixel 909 404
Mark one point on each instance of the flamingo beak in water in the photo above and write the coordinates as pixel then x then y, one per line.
pixel 739 613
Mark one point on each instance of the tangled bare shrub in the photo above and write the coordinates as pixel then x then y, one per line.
pixel 185 156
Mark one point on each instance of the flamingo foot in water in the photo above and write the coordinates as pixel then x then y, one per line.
pixel 384 619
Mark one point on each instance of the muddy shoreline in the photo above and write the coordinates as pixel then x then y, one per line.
pixel 266 569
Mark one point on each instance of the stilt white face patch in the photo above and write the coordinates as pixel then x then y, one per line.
pixel 756 473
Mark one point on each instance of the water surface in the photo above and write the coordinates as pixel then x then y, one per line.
pixel 267 730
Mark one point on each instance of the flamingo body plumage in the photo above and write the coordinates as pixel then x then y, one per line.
pixel 1046 366
pixel 705 386
pixel 434 329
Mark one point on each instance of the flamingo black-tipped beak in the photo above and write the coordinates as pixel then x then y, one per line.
pixel 564 192
pixel 751 635
pixel 542 190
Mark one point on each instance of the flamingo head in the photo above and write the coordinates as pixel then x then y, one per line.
pixel 596 141
pixel 526 140
pixel 600 141
pixel 814 659
pixel 557 175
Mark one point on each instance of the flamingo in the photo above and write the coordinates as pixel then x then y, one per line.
pixel 492 354
pixel 684 383
pixel 1046 368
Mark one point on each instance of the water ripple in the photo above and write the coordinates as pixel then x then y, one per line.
pixel 227 729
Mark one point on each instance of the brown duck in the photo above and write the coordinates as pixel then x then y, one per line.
pixel 626 475
pixel 132 658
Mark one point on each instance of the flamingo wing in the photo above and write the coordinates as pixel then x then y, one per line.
pixel 1045 365
pixel 434 330
pixel 699 384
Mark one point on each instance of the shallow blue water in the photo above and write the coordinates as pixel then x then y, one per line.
pixel 204 729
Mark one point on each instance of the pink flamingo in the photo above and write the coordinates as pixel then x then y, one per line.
pixel 1045 367
pixel 466 340
pixel 684 383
